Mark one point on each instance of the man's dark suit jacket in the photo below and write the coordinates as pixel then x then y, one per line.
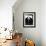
pixel 29 21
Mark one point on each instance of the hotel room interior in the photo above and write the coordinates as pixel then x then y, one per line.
pixel 22 23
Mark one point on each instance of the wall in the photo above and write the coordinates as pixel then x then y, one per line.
pixel 43 22
pixel 29 33
pixel 6 13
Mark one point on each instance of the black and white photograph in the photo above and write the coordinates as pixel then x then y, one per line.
pixel 29 19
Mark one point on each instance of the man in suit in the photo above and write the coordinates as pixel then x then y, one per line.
pixel 29 21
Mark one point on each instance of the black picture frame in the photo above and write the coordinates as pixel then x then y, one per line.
pixel 29 19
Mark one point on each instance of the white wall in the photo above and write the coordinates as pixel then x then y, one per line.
pixel 43 22
pixel 6 13
pixel 35 34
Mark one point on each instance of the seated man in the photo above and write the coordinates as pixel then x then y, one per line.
pixel 18 39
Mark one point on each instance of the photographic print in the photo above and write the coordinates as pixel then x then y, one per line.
pixel 29 19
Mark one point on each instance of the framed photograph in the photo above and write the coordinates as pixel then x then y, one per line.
pixel 29 19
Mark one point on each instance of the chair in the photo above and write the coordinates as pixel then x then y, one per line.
pixel 29 43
